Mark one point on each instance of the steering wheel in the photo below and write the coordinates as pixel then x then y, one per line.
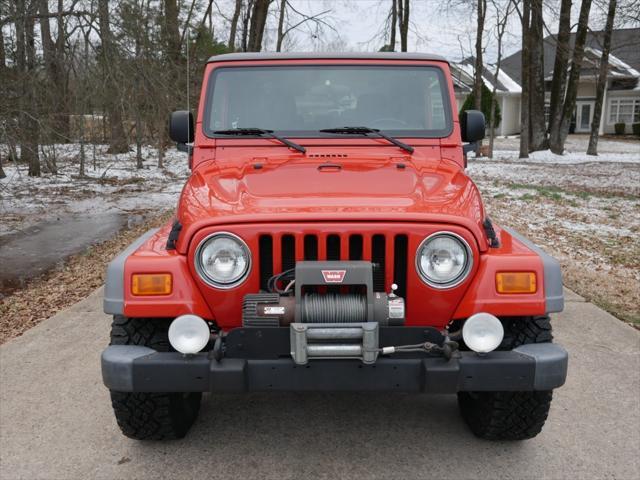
pixel 384 122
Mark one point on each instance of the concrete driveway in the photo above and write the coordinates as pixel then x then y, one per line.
pixel 56 420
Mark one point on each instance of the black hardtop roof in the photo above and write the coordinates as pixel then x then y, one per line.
pixel 232 57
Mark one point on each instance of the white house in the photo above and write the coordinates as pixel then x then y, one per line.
pixel 622 93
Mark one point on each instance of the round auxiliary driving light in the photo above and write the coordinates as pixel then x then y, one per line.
pixel 189 334
pixel 482 332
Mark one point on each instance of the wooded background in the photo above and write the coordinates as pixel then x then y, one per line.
pixel 94 71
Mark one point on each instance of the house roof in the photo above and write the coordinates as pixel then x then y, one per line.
pixel 624 58
pixel 463 77
pixel 231 57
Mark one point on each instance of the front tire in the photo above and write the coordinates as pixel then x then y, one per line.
pixel 510 415
pixel 151 416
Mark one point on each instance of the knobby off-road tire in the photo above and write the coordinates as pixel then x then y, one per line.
pixel 510 415
pixel 151 416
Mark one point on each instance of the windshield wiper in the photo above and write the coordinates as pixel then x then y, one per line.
pixel 261 132
pixel 365 131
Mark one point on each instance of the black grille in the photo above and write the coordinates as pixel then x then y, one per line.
pixel 266 260
pixel 378 259
pixel 400 258
pixel 378 246
pixel 288 252
pixel 333 247
pixel 355 247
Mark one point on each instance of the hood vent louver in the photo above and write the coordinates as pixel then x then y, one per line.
pixel 327 155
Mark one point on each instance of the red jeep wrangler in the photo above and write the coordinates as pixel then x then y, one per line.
pixel 328 239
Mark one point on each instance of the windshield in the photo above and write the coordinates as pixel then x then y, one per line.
pixel 302 100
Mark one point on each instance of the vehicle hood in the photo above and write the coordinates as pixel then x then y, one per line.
pixel 416 188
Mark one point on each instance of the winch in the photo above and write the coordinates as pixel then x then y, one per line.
pixel 330 308
pixel 325 292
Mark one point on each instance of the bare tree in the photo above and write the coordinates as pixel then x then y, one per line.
pixel 118 139
pixel 560 66
pixel 281 32
pixel 29 128
pixel 258 23
pixel 502 18
pixel 478 66
pixel 602 79
pixel 525 18
pixel 234 25
pixel 403 21
pixel 3 53
pixel 559 136
pixel 394 23
pixel 537 128
pixel 301 18
pixel 171 31
pixel 57 74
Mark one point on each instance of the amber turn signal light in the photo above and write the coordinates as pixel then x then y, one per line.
pixel 151 284
pixel 516 282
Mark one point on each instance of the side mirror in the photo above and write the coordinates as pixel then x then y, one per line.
pixel 472 126
pixel 181 127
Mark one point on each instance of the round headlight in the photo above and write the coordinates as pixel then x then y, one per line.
pixel 189 334
pixel 482 332
pixel 223 260
pixel 444 260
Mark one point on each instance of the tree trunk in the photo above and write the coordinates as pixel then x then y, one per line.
pixel 258 22
pixel 537 128
pixel 524 98
pixel 557 140
pixel 560 66
pixel 245 25
pixel 394 26
pixel 139 163
pixel 234 25
pixel 602 79
pixel 283 8
pixel 28 127
pixel 501 25
pixel 33 125
pixel 478 66
pixel 403 19
pixel 118 141
pixel 81 172
pixel 479 63
pixel 56 91
pixel 2 174
pixel 171 31
pixel 3 52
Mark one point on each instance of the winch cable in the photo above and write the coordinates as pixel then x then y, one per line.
pixel 334 308
pixel 448 348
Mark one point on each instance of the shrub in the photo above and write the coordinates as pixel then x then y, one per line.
pixel 485 103
pixel 636 129
pixel 620 128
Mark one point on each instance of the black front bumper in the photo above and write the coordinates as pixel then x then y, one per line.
pixel 129 368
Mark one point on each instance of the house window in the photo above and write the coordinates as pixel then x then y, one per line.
pixel 624 110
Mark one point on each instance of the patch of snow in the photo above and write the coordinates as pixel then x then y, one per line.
pixel 510 84
pixel 112 183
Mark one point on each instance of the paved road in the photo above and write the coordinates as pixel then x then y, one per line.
pixel 56 422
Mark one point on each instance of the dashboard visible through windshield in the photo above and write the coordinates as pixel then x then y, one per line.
pixel 407 101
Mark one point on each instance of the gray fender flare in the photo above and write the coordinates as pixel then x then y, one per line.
pixel 553 292
pixel 113 303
